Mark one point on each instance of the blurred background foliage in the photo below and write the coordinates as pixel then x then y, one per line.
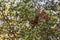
pixel 15 16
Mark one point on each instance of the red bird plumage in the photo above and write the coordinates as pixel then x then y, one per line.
pixel 40 14
pixel 35 21
pixel 45 17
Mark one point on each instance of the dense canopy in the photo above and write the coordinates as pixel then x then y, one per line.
pixel 19 20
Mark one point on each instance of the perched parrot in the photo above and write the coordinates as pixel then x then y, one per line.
pixel 42 15
pixel 36 19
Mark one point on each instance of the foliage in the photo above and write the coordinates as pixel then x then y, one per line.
pixel 16 17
